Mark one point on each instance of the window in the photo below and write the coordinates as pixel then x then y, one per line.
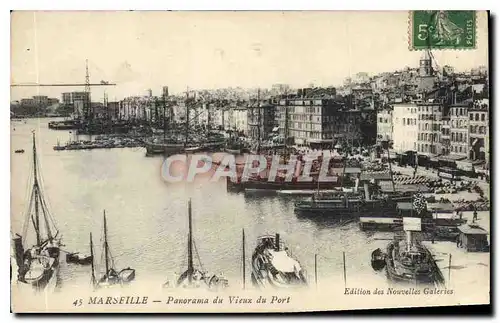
pixel 483 117
pixel 471 117
pixel 477 116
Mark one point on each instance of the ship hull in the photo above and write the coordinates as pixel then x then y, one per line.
pixel 278 186
pixel 76 259
pixel 170 149
pixel 264 273
pixel 431 277
pixel 355 209
pixel 40 279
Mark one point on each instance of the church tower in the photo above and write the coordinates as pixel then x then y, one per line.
pixel 426 65
pixel 426 73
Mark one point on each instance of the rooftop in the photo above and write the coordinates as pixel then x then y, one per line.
pixel 472 229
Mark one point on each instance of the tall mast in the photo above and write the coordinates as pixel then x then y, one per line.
pixel 187 116
pixel 164 119
pixel 243 258
pixel 106 243
pixel 88 113
pixel 286 118
pixel 259 120
pixel 35 189
pixel 92 257
pixel 190 269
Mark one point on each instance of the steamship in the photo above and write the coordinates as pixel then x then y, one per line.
pixel 274 266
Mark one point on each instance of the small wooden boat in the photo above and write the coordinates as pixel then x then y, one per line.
pixel 378 259
pixel 127 275
pixel 19 151
pixel 77 258
pixel 192 150
pixel 233 151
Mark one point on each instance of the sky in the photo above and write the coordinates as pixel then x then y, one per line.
pixel 142 50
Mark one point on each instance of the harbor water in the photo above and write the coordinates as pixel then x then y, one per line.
pixel 148 217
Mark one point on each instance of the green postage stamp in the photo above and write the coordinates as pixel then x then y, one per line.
pixel 442 29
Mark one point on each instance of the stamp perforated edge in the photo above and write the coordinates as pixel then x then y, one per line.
pixel 410 35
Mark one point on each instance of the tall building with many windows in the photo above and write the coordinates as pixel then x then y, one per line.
pixel 479 130
pixel 459 135
pixel 429 128
pixel 405 127
pixel 316 121
pixel 384 125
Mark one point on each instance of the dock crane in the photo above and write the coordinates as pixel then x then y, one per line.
pixel 87 103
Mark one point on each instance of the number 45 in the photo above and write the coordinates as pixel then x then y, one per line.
pixel 422 32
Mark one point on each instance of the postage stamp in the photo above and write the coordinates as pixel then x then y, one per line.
pixel 442 29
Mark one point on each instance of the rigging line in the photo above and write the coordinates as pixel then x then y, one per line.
pixel 28 196
pixel 47 224
pixel 42 183
pixel 27 217
pixel 198 256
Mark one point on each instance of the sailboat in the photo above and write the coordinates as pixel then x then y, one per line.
pixel 111 276
pixel 194 277
pixel 38 265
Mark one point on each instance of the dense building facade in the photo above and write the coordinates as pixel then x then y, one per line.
pixel 260 120
pixel 445 135
pixel 317 121
pixel 70 97
pixel 479 130
pixel 429 128
pixel 405 127
pixel 459 136
pixel 384 125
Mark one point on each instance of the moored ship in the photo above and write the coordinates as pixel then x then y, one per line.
pixel 407 260
pixel 175 145
pixel 274 266
pixel 38 265
pixel 410 262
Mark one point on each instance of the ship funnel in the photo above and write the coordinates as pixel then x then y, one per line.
pixel 277 242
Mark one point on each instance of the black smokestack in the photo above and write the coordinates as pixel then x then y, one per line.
pixel 277 241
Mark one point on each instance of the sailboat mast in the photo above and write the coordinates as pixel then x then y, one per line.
pixel 258 124
pixel 187 116
pixel 106 243
pixel 243 258
pixel 190 244
pixel 92 257
pixel 35 188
